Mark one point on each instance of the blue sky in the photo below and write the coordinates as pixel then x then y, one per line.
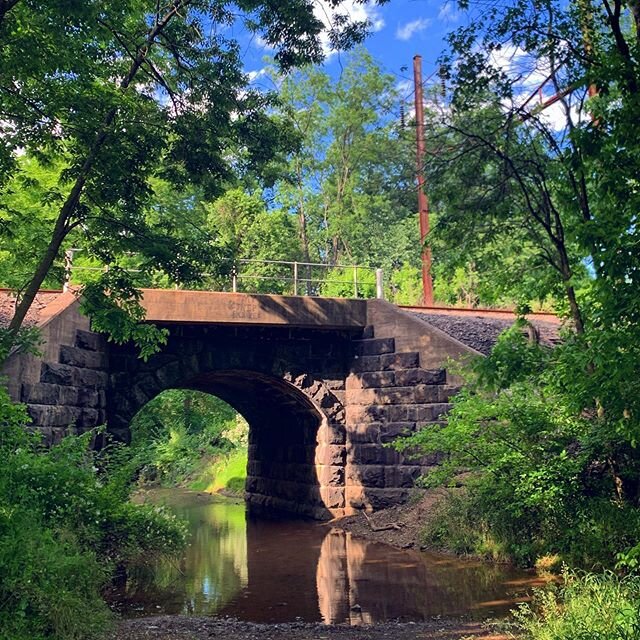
pixel 401 29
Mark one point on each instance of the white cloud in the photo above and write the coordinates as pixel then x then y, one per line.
pixel 322 10
pixel 261 43
pixel 407 31
pixel 254 75
pixel 356 13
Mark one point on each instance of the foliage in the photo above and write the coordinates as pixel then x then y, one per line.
pixel 544 201
pixel 252 237
pixel 143 92
pixel 229 473
pixel 350 185
pixel 584 607
pixel 65 526
pixel 185 436
pixel 349 283
pixel 543 478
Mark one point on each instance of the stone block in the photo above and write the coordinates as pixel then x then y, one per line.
pixel 367 332
pixel 365 433
pixel 45 415
pixel 90 340
pixel 425 393
pixel 431 412
pixel 88 419
pixel 91 378
pixel 331 434
pixel 412 377
pixel 384 498
pixel 89 398
pixel 394 361
pixel 366 475
pixel 332 475
pixel 47 393
pixel 401 476
pixel 366 363
pixel 370 379
pixel 332 497
pixel 399 413
pixel 83 358
pixel 55 373
pixel 392 430
pixel 365 397
pixel 374 346
pixel 365 454
pixel 362 413
pixel 355 497
pixel 330 454
pixel 382 396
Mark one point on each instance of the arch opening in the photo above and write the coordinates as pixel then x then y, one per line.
pixel 296 453
pixel 296 448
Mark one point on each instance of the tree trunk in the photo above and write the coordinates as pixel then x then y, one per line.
pixel 63 226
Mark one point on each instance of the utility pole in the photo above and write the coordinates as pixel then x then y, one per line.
pixel 423 203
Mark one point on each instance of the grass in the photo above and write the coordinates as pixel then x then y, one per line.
pixel 226 474
pixel 586 606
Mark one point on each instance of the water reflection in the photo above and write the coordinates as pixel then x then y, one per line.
pixel 281 570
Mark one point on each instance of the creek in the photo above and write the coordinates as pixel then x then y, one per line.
pixel 281 570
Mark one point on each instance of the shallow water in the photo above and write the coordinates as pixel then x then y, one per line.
pixel 274 570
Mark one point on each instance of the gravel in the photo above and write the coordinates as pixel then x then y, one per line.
pixel 201 628
pixel 481 333
pixel 8 302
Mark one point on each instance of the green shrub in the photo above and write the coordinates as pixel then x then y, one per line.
pixel 542 477
pixel 585 607
pixel 181 434
pixel 66 524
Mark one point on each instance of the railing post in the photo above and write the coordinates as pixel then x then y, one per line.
pixel 234 280
pixel 355 281
pixel 379 285
pixel 295 278
pixel 68 265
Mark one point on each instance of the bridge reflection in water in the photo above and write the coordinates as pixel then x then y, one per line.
pixel 267 570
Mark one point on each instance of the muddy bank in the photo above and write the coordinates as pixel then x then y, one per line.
pixel 399 526
pixel 200 628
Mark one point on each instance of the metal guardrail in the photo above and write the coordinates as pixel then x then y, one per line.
pixel 298 278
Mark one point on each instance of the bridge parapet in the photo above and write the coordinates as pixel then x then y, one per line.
pixel 219 308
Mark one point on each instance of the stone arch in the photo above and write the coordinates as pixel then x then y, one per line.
pixel 297 442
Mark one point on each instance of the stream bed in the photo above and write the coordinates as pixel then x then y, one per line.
pixel 283 570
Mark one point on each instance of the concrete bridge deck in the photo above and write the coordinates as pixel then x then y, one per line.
pixel 323 383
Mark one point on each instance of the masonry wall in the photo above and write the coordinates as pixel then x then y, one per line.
pixel 321 403
pixel 65 386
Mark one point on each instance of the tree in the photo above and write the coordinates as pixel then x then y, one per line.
pixel 351 182
pixel 552 433
pixel 118 94
pixel 255 240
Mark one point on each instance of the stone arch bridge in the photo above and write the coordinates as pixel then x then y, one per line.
pixel 323 383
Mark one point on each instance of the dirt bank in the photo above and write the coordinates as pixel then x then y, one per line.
pixel 399 526
pixel 199 628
